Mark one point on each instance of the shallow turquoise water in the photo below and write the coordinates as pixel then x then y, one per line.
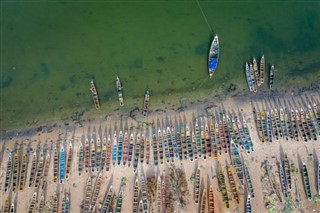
pixel 51 51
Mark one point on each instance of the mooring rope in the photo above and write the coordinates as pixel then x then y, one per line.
pixel 204 16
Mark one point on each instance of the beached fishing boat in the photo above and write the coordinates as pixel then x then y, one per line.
pixel 237 133
pixel 92 154
pixel 80 159
pixel 108 153
pixel 106 201
pixel 222 187
pixel 189 143
pixel 274 125
pixel 155 147
pixel 119 203
pixel 23 171
pixel 135 202
pixel 197 186
pixel 269 127
pixel 213 56
pixel 39 169
pixel 183 141
pixel 130 149
pixel 283 181
pixel 67 206
pixel 306 182
pixel 287 171
pixel 142 142
pixel 86 202
pixel 231 130
pixel 213 139
pixel 284 124
pixel 95 96
pixel 253 78
pixel 114 148
pixel 300 126
pixel 248 179
pixel 104 152
pixel 120 141
pixel 288 123
pixel 278 124
pixel 203 143
pixel 207 139
pixel 98 153
pixel 95 192
pixel 55 203
pixel 171 153
pixel 34 169
pixel 249 80
pixel 304 124
pixel 119 90
pixel 146 103
pixel 198 138
pixel 256 73
pixel 136 153
pixel 294 125
pixel 264 125
pixel 159 194
pixel 271 77
pixel 211 200
pixel 6 206
pixel 314 119
pixel 203 201
pixel 160 146
pixel 174 143
pixel 63 204
pixel 41 204
pixel 236 161
pixel 248 207
pixel 318 176
pixel 69 161
pixel 33 202
pixel 163 195
pixel 179 143
pixel 257 120
pixel 125 148
pixel 218 138
pixel 222 137
pixel 310 124
pixel 12 208
pixel 262 69
pixel 147 146
pixel 144 194
pixel 7 182
pixel 15 175
pixel 61 164
pixel 194 147
pixel 233 185
pixel 87 155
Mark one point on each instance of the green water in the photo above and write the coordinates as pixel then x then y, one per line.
pixel 51 51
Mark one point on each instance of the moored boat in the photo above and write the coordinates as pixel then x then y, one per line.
pixel 69 161
pixel 95 96
pixel 197 186
pixel 15 175
pixel 119 90
pixel 34 168
pixel 23 171
pixel 80 159
pixel 271 77
pixel 213 56
pixel 249 80
pixel 125 148
pixel 87 155
pixel 146 103
pixel 92 154
pixel 135 202
pixel 233 185
pixel 256 73
pixel 61 164
pixel 95 192
pixel 248 207
pixel 262 69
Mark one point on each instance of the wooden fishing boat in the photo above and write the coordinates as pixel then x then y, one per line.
pixel 61 164
pixel 310 125
pixel 318 176
pixel 140 208
pixel 135 202
pixel 203 143
pixel 300 126
pixel 130 149
pixel 314 119
pixel 237 133
pixel 120 143
pixel 262 69
pixel 12 208
pixel 207 139
pixel 159 194
pixel 213 56
pixel 170 145
pixel 247 133
pixel 244 145
pixel 316 112
pixel 218 138
pixel 256 73
pixel 278 124
pixel 109 154
pixel 269 127
pixel 107 200
pixel 264 125
pixel 211 200
pixel 144 194
pixel 55 203
pixel 248 208
pixel 119 90
pixel 248 179
pixel 306 182
pixel 288 123
pixel 34 169
pixel 233 185
pixel 142 141
pixel 23 171
pixel 203 201
pixel 213 139
pixel 46 171
pixel 189 143
pixel 92 155
pixel 86 203
pixel 95 96
pixel 69 161
pixel 6 207
pixel 304 124
pixel 283 181
pixel 146 104
pixel 222 137
pixel 15 175
pixel 174 143
pixel 222 187
pixel 249 80
pixel 274 125
pixel 154 147
pixel 259 126
pixel 119 203
pixel 63 204
pixel 253 79
pixel 87 155
pixel 136 153
pixel 33 202
pixel 183 141
pixel 114 148
pixel 104 152
pixel 160 146
pixel 98 153
pixel 294 125
pixel 236 161
pixel 198 138
pixel 231 130
pixel 287 171
pixel 147 146
pixel 125 148
pixel 41 204
pixel 95 192
pixel 67 207
pixel 284 124
pixel 179 143
pixel 39 170
pixel 197 186
pixel 80 159
pixel 163 195
pixel 271 77
pixel 194 147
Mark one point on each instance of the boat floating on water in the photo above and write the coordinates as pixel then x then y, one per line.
pixel 213 56
pixel 146 104
pixel 95 96
pixel 119 90
pixel 271 77
pixel 262 69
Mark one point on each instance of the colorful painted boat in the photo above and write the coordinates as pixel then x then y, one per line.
pixel 174 143
pixel 98 153
pixel 6 206
pixel 310 125
pixel 183 141
pixel 136 153
pixel 120 142
pixel 318 176
pixel 288 123
pixel 144 194
pixel 95 192
pixel 80 159
pixel 218 138
pixel 119 90
pixel 171 152
pixel 7 182
pixel 106 201
pixel 256 73
pixel 114 148
pixel 86 202
pixel 108 154
pixel 233 185
pixel 119 203
pixel 306 182
pixel 236 161
pixel 253 79
pixel 249 80
pixel 211 200
pixel 69 161
pixel 104 152
pixel 248 207
pixel 155 147
pixel 208 142
pixel 222 137
pixel 203 201
pixel 198 138
pixel 146 103
pixel 213 139
pixel 55 203
pixel 189 143
pixel 61 164
pixel 262 69
pixel 39 170
pixel 274 125
pixel 197 186
pixel 314 119
pixel 213 56
pixel 248 179
pixel 135 202
pixel 15 175
pixel 34 170
pixel 33 202
pixel 23 171
pixel 67 207
pixel 142 143
pixel 222 187
pixel 194 147
pixel 93 156
pixel 95 96
pixel 87 155
pixel 125 148
pixel 278 124
pixel 130 149
pixel 264 125
pixel 271 77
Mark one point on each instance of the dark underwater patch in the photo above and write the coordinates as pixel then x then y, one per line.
pixel 309 69
pixel 201 49
pixel 6 82
pixel 161 59
pixel 136 63
pixel 267 38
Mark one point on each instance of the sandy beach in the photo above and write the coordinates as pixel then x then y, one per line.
pixel 71 132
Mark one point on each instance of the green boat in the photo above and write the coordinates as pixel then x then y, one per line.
pixel 119 203
pixel 306 182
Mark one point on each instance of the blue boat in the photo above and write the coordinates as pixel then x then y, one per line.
pixel 114 148
pixel 166 146
pixel 120 147
pixel 174 143
pixel 269 127
pixel 213 56
pixel 62 163
pixel 249 80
